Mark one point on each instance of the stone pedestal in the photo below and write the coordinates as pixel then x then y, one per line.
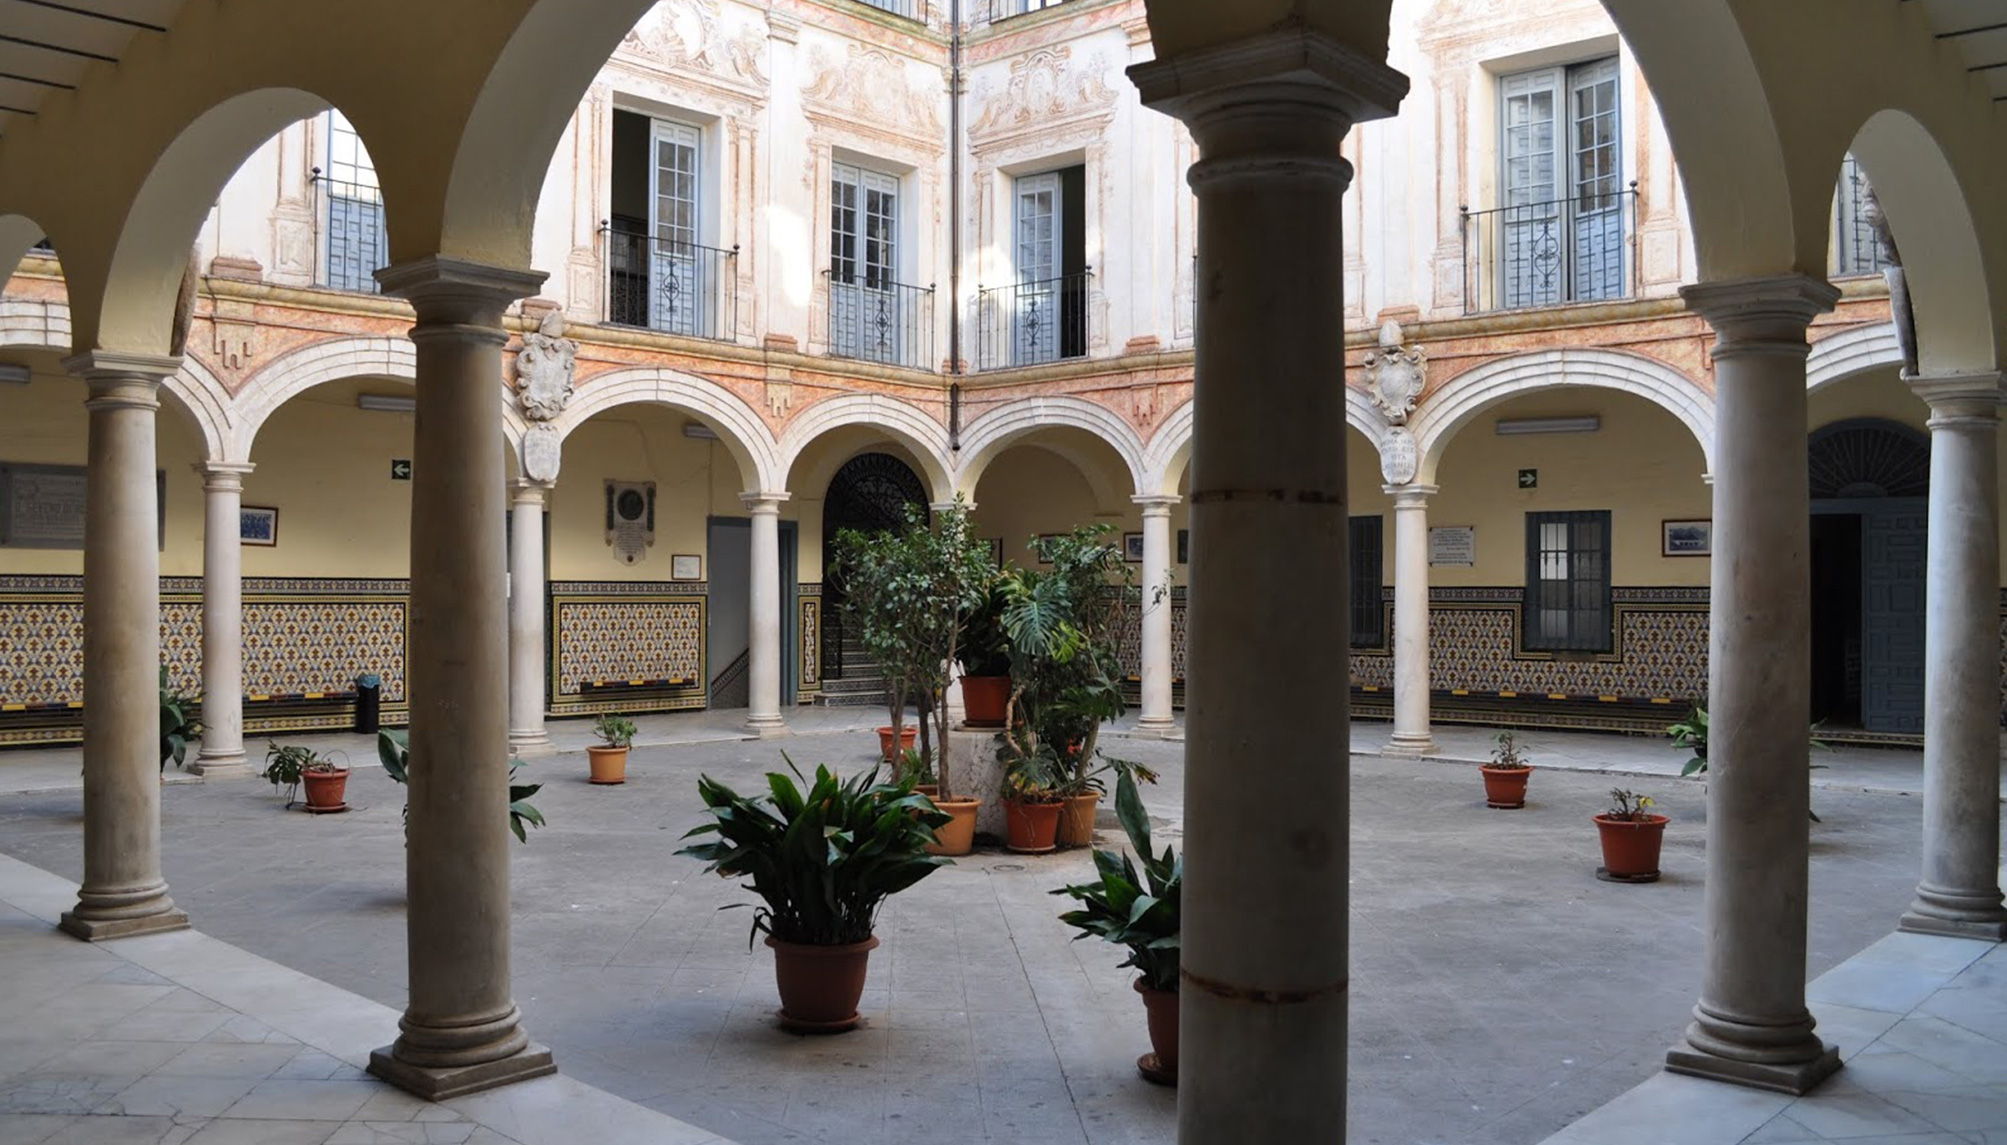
pixel 123 892
pixel 1751 1026
pixel 222 754
pixel 978 772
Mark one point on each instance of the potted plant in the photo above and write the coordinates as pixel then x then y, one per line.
pixel 1141 913
pixel 1505 776
pixel 906 594
pixel 296 765
pixel 177 723
pixel 393 748
pixel 822 862
pixel 914 766
pixel 1631 835
pixel 1033 797
pixel 1691 735
pixel 608 757
pixel 986 662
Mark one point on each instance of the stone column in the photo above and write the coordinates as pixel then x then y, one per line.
pixel 1959 893
pixel 1411 620
pixel 1156 619
pixel 222 755
pixel 461 1031
pixel 527 735
pixel 123 892
pixel 1265 968
pixel 763 617
pixel 1751 1026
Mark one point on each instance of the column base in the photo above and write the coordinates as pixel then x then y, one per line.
pixel 526 744
pixel 1993 929
pixel 440 1083
pixel 222 766
pixel 766 727
pixel 1162 727
pixel 1407 745
pixel 105 929
pixel 1795 1078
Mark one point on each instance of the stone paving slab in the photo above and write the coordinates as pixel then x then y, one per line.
pixel 1500 991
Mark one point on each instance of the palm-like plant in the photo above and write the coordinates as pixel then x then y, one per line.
pixel 1062 625
pixel 176 725
pixel 822 861
pixel 393 748
pixel 1132 909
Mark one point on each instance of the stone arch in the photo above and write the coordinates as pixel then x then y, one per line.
pixel 1481 387
pixel 1850 352
pixel 41 325
pixel 18 233
pixel 1931 217
pixel 907 424
pixel 735 423
pixel 297 371
pixel 1007 425
pixel 1170 447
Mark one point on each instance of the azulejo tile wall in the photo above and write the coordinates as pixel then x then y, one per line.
pixel 1129 636
pixel 626 647
pixel 808 607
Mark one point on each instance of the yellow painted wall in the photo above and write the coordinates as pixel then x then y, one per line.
pixel 325 465
pixel 1028 490
pixel 1642 465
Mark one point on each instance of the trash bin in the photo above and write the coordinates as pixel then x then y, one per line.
pixel 368 700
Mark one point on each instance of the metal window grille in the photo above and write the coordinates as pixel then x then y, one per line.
pixel 1368 560
pixel 1005 9
pixel 675 287
pixel 872 315
pixel 356 241
pixel 911 9
pixel 1567 582
pixel 1855 248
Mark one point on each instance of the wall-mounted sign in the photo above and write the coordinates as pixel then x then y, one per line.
pixel 400 469
pixel 1529 479
pixel 42 506
pixel 1453 546
pixel 630 518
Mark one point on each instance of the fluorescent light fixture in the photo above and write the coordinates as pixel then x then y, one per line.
pixel 700 431
pixel 14 373
pixel 386 403
pixel 1513 427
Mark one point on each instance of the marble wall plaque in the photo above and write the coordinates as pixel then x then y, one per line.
pixel 1453 546
pixel 42 506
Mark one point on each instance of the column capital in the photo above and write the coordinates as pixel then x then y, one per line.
pixel 1763 315
pixel 967 505
pixel 1157 504
pixel 1411 496
pixel 121 365
pixel 523 490
pixel 454 291
pixel 222 476
pixel 1247 77
pixel 1960 400
pixel 762 501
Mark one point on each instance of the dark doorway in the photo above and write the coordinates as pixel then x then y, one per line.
pixel 728 622
pixel 870 493
pixel 1836 619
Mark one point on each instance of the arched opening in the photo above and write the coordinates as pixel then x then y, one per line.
pixel 871 492
pixel 1869 480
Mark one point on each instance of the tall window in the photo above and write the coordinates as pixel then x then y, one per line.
pixel 1042 315
pixel 911 9
pixel 864 294
pixel 1368 560
pixel 660 274
pixel 1855 248
pixel 1568 582
pixel 1004 9
pixel 1561 205
pixel 357 243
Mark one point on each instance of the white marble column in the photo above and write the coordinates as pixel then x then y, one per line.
pixel 1156 615
pixel 1411 620
pixel 461 1031
pixel 222 754
pixel 1751 1026
pixel 123 892
pixel 763 616
pixel 1265 961
pixel 1959 893
pixel 527 735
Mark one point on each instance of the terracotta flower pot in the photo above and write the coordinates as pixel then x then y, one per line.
pixel 609 764
pixel 1076 819
pixel 984 700
pixel 958 835
pixel 1032 828
pixel 930 790
pixel 820 985
pixel 1505 786
pixel 1631 849
pixel 1161 1008
pixel 907 735
pixel 324 789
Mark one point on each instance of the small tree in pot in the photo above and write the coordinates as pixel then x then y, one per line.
pixel 1141 912
pixel 1505 776
pixel 822 861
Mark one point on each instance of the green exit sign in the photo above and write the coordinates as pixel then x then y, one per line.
pixel 400 469
pixel 1529 479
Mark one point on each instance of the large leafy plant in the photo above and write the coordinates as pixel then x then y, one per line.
pixel 1691 735
pixel 822 861
pixel 1063 624
pixel 177 724
pixel 906 594
pixel 393 748
pixel 1135 908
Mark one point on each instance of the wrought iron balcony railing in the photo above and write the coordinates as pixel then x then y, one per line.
pixel 1000 10
pixel 355 242
pixel 911 9
pixel 879 320
pixel 1576 249
pixel 1028 323
pixel 675 287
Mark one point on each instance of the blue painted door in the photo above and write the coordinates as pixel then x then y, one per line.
pixel 1893 557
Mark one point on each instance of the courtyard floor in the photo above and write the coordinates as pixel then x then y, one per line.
pixel 1500 992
